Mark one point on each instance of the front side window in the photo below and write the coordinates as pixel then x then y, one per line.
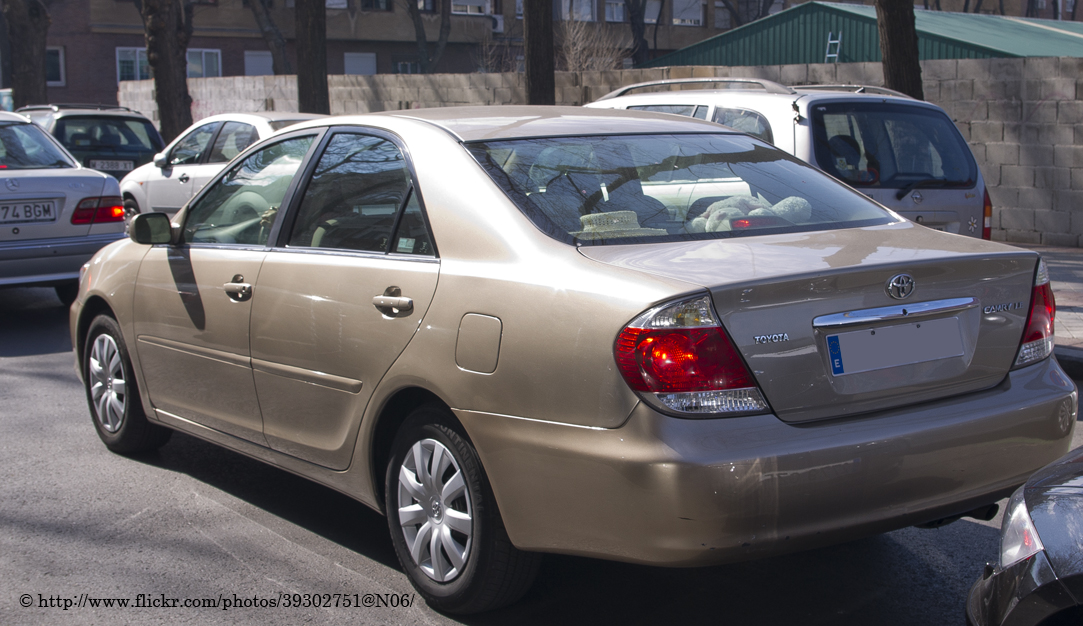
pixel 25 146
pixel 189 149
pixel 234 138
pixel 354 197
pixel 601 190
pixel 892 146
pixel 241 206
pixel 745 121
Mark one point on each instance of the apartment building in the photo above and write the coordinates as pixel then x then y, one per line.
pixel 94 44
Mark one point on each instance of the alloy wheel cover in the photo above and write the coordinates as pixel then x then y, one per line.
pixel 108 387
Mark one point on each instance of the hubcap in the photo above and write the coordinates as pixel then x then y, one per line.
pixel 108 390
pixel 434 510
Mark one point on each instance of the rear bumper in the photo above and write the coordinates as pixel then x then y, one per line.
pixel 48 261
pixel 667 491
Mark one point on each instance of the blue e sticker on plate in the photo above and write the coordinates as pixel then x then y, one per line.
pixel 835 352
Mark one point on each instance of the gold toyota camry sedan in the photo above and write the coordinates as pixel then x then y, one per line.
pixel 623 335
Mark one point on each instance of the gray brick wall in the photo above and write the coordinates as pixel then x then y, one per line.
pixel 1023 118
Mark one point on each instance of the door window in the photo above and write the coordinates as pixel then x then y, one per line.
pixel 190 149
pixel 355 196
pixel 241 206
pixel 233 140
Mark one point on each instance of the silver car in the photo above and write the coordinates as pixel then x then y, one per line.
pixel 54 214
pixel 615 334
pixel 904 153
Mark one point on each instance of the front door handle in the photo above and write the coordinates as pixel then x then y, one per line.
pixel 237 289
pixel 184 178
pixel 392 303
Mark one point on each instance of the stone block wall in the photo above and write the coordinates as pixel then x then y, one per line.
pixel 1023 118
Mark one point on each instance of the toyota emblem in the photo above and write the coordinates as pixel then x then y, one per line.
pixel 900 286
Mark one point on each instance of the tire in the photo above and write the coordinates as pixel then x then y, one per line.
pixel 476 568
pixel 67 292
pixel 131 207
pixel 112 392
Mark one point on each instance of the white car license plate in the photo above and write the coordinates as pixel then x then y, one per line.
pixel 892 346
pixel 114 166
pixel 28 211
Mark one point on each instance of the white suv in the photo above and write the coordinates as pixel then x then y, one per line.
pixel 904 153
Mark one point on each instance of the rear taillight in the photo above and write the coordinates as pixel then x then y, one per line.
pixel 1037 342
pixel 678 357
pixel 987 217
pixel 99 210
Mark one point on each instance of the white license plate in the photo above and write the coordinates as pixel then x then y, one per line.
pixel 114 166
pixel 892 346
pixel 28 211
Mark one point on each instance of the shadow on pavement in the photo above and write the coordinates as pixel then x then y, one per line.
pixel 32 321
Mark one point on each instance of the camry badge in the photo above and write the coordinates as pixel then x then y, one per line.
pixel 900 286
pixel 916 197
pixel 11 184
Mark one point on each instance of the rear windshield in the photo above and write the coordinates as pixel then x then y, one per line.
pixel 25 146
pixel 87 133
pixel 892 146
pixel 648 188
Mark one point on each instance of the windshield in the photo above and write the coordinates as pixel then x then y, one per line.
pixel 633 188
pixel 117 133
pixel 892 146
pixel 25 146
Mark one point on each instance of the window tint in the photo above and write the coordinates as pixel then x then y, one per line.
pixel 190 148
pixel 626 189
pixel 745 121
pixel 891 146
pixel 241 206
pixel 355 194
pixel 233 139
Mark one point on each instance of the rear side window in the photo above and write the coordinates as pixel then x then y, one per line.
pixel 233 139
pixel 598 190
pixel 870 144
pixel 745 121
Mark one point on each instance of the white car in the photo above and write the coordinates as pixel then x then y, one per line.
pixel 903 153
pixel 196 156
pixel 54 213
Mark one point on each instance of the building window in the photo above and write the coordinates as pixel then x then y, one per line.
pixel 426 6
pixel 722 16
pixel 204 63
pixel 470 7
pixel 519 9
pixel 363 63
pixel 370 5
pixel 687 13
pixel 258 63
pixel 54 67
pixel 578 10
pixel 614 11
pixel 336 4
pixel 407 67
pixel 653 12
pixel 132 64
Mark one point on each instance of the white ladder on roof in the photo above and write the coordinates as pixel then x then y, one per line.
pixel 834 41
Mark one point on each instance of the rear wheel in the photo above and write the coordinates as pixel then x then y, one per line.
pixel 444 522
pixel 112 392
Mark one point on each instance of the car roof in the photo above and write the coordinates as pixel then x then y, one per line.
pixel 65 110
pixel 807 93
pixel 257 116
pixel 7 116
pixel 480 123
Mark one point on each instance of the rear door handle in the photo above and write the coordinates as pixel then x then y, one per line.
pixel 392 303
pixel 237 289
pixel 184 178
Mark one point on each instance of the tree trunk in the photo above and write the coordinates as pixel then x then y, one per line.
pixel 735 15
pixel 538 44
pixel 28 23
pixel 899 46
pixel 637 11
pixel 168 28
pixel 312 94
pixel 280 61
pixel 426 62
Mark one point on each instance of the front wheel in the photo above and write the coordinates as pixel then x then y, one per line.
pixel 444 522
pixel 112 392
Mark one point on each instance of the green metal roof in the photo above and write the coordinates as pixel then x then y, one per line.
pixel 799 35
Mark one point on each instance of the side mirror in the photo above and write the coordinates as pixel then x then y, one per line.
pixel 159 160
pixel 150 229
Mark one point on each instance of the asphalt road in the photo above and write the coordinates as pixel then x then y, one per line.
pixel 194 521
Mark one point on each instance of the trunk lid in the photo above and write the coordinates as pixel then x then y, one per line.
pixel 38 204
pixel 812 316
